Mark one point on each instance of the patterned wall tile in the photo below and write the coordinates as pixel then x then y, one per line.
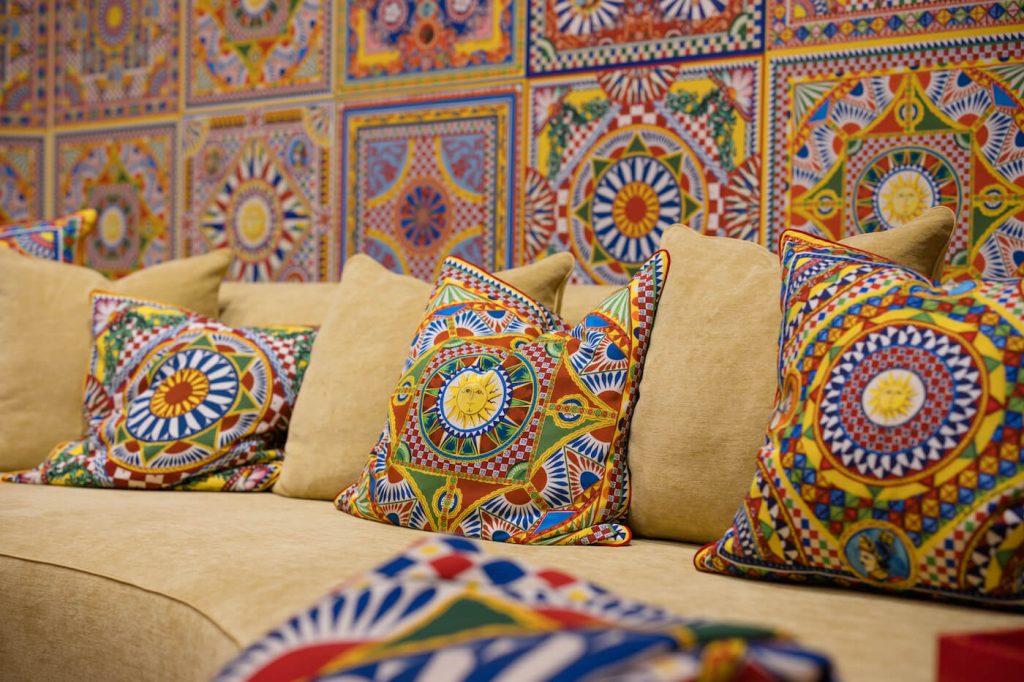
pixel 865 140
pixel 618 156
pixel 390 42
pixel 23 48
pixel 260 182
pixel 127 176
pixel 567 35
pixel 116 58
pixel 430 178
pixel 794 24
pixel 245 49
pixel 21 178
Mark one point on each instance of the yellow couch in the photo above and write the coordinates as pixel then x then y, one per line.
pixel 114 584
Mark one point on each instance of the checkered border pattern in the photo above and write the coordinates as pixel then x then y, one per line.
pixel 658 48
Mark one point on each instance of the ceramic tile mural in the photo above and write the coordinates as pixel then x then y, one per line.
pixel 619 156
pixel 431 178
pixel 23 60
pixel 241 49
pixel 126 175
pixel 117 58
pixel 395 41
pixel 260 182
pixel 866 140
pixel 299 132
pixel 21 178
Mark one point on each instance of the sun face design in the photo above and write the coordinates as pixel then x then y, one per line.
pixel 473 399
pixel 904 196
pixel 181 392
pixel 893 397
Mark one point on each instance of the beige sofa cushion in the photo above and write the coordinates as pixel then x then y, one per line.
pixel 45 340
pixel 709 384
pixel 262 304
pixel 245 562
pixel 356 361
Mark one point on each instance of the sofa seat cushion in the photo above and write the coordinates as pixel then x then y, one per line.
pixel 244 563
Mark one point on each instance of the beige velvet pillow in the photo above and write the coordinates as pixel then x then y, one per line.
pixel 45 340
pixel 269 304
pixel 356 360
pixel 709 384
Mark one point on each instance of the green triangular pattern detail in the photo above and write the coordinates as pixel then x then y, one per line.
pixel 616 306
pixel 207 439
pixel 461 614
pixel 637 146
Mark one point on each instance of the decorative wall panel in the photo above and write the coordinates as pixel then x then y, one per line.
pixel 260 182
pixel 865 140
pixel 616 157
pixel 21 178
pixel 127 176
pixel 23 60
pixel 430 178
pixel 117 58
pixel 248 49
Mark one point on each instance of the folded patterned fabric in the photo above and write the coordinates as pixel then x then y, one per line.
pixel 176 400
pixel 446 610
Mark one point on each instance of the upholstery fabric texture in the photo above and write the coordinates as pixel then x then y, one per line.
pixel 269 304
pixel 46 336
pixel 709 391
pixel 358 356
pixel 446 604
pixel 505 424
pixel 57 240
pixel 893 457
pixel 192 549
pixel 176 400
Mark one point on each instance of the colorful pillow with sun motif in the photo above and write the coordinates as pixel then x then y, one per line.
pixel 175 400
pixel 444 609
pixel 58 239
pixel 894 457
pixel 507 425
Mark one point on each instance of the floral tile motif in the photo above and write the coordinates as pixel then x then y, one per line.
pixel 618 156
pixel 566 35
pixel 260 183
pixel 127 175
pixel 867 139
pixel 117 58
pixel 429 178
pixel 23 48
pixel 21 178
pixel 392 42
pixel 794 24
pixel 245 49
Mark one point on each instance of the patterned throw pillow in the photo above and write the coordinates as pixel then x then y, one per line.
pixel 56 239
pixel 175 400
pixel 507 425
pixel 894 457
pixel 445 610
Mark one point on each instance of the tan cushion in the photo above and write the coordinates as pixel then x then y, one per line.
pixel 709 383
pixel 45 340
pixel 580 299
pixel 356 361
pixel 263 304
pixel 245 562
pixel 920 245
